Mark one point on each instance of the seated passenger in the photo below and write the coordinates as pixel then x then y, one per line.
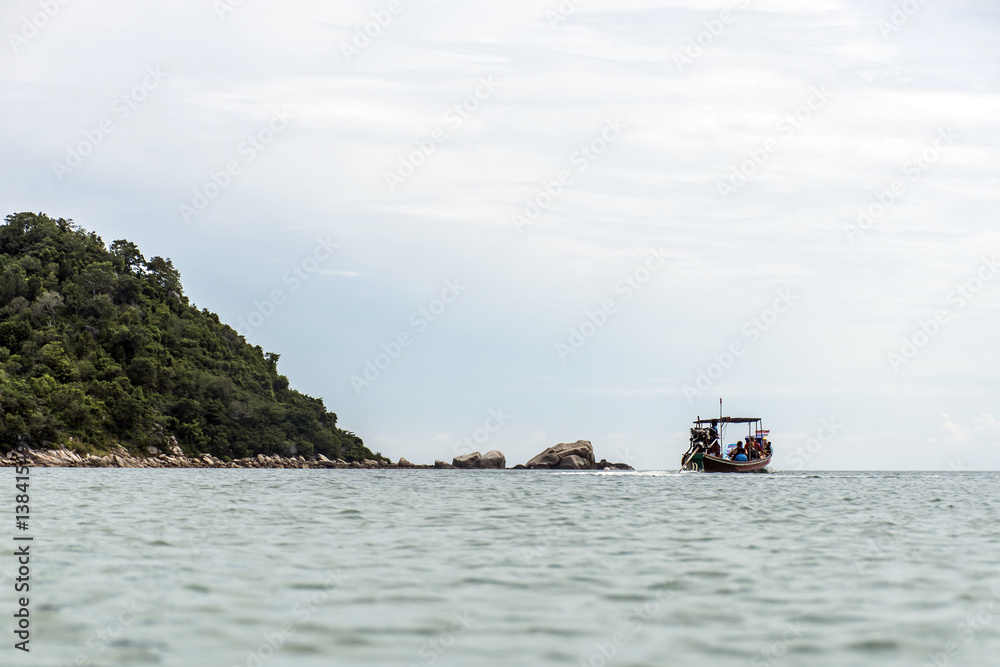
pixel 739 451
pixel 740 456
pixel 715 449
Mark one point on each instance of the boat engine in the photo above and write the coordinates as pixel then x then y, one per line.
pixel 704 437
pixel 701 440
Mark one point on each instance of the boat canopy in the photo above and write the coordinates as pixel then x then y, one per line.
pixel 728 420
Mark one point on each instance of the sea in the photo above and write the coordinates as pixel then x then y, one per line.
pixel 313 568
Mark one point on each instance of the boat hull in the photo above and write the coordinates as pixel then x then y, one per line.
pixel 713 463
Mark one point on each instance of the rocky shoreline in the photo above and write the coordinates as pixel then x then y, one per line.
pixel 121 458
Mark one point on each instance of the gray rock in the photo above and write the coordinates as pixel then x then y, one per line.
pixel 493 459
pixel 467 460
pixel 552 456
pixel 403 463
pixel 573 462
pixel 442 465
pixel 547 459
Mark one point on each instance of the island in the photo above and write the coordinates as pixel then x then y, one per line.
pixel 105 363
pixel 101 353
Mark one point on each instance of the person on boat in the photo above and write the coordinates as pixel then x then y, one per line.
pixel 738 452
pixel 765 447
pixel 715 450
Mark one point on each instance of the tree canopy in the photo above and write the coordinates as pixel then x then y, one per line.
pixel 100 345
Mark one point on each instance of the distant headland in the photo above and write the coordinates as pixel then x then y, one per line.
pixel 101 352
pixel 105 363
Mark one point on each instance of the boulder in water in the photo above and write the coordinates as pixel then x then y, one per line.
pixel 467 460
pixel 493 459
pixel 573 462
pixel 553 456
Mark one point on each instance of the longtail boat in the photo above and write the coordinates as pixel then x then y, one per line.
pixel 706 452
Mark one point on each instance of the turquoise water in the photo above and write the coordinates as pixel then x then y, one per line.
pixel 426 567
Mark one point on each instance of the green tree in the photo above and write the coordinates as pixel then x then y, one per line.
pixel 131 260
pixel 164 275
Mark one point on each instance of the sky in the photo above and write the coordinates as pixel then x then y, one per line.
pixel 474 225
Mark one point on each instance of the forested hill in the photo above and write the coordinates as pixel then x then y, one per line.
pixel 100 345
